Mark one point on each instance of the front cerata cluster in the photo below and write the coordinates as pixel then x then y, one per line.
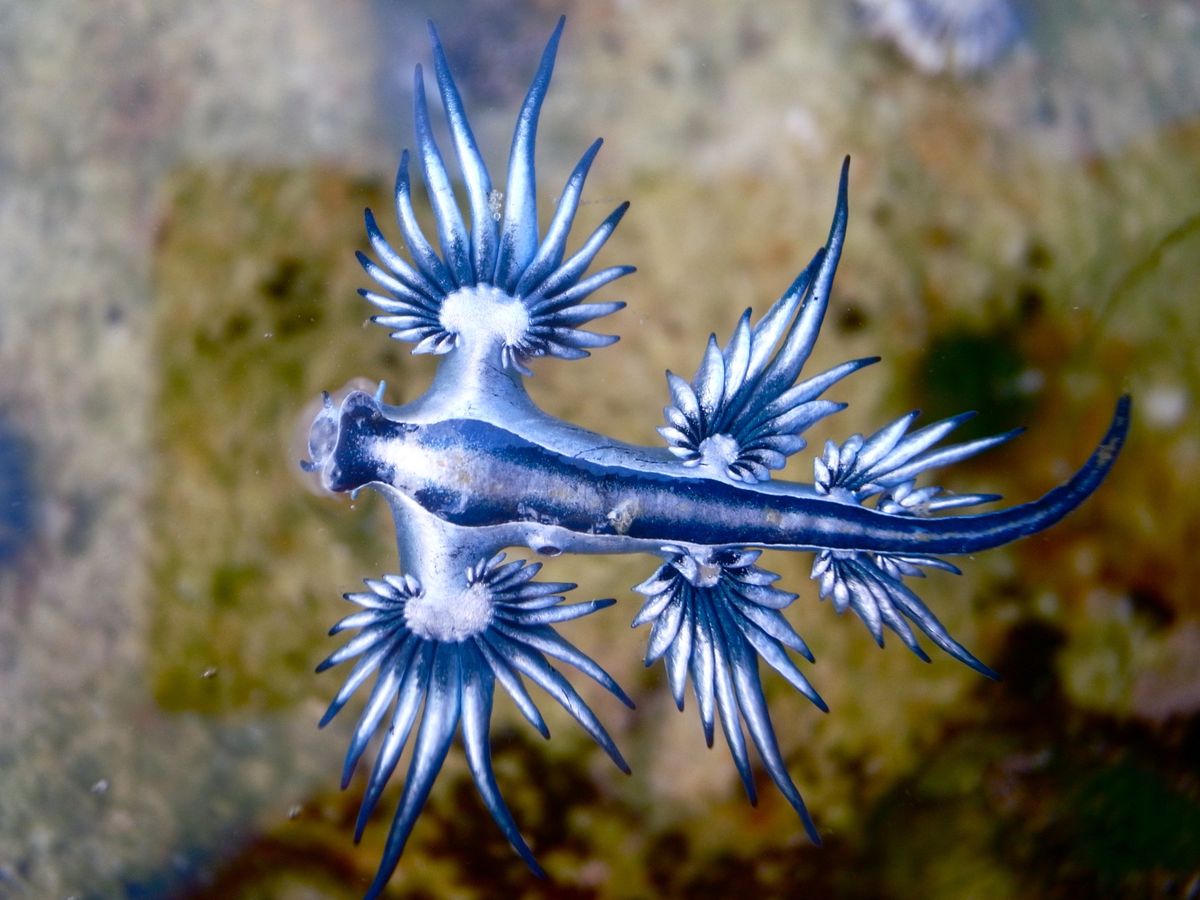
pixel 473 468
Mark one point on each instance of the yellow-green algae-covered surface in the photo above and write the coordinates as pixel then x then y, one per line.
pixel 180 197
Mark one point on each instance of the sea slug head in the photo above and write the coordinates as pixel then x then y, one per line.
pixel 354 444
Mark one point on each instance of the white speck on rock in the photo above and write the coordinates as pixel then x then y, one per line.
pixel 1166 405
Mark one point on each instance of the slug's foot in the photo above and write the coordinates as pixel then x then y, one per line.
pixel 714 616
pixel 454 680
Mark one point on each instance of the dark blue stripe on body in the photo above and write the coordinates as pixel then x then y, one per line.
pixel 511 479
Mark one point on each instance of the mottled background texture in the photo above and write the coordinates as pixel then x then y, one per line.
pixel 181 187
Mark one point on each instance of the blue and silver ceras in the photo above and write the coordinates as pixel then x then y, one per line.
pixel 473 467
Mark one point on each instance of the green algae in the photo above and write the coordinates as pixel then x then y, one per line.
pixel 970 371
pixel 1131 820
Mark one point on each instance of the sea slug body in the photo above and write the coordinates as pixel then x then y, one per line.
pixel 472 468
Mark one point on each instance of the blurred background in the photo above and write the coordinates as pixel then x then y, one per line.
pixel 181 190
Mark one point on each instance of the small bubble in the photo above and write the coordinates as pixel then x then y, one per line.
pixel 1166 405
pixel 1030 381
pixel 294 811
pixel 210 672
pixel 100 787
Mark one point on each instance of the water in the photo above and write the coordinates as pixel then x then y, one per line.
pixel 180 197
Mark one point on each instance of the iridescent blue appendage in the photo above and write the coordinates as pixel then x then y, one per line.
pixel 713 618
pixel 455 682
pixel 884 467
pixel 743 414
pixel 434 300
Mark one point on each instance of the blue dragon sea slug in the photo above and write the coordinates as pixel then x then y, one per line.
pixel 473 467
